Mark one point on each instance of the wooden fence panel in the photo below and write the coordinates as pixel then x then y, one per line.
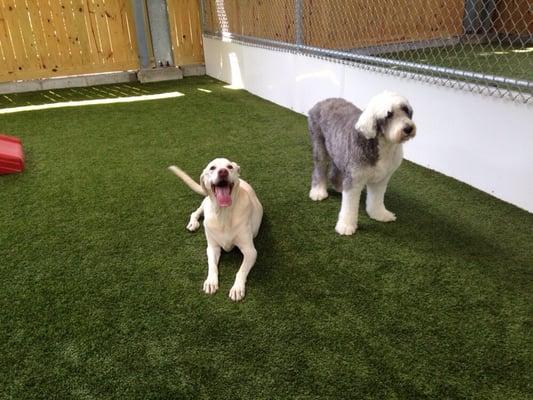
pixel 514 17
pixel 185 31
pixel 363 23
pixel 339 24
pixel 272 19
pixel 42 38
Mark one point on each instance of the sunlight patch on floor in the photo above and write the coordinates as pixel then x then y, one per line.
pixel 81 103
pixel 526 50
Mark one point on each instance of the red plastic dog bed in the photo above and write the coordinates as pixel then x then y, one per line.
pixel 11 155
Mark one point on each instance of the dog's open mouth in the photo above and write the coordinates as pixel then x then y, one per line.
pixel 222 191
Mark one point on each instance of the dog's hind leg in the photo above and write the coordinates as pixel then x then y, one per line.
pixel 249 253
pixel 319 185
pixel 335 177
pixel 194 221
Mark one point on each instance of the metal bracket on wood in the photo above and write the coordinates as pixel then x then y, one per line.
pixel 160 31
pixel 154 44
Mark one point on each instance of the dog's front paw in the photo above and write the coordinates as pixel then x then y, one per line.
pixel 237 292
pixel 383 215
pixel 211 285
pixel 193 225
pixel 343 228
pixel 318 193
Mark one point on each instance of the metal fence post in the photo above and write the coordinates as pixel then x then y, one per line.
pixel 160 30
pixel 202 16
pixel 298 22
pixel 142 32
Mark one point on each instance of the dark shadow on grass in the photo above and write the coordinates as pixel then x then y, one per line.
pixel 448 231
pixel 267 256
pixel 448 237
pixel 425 223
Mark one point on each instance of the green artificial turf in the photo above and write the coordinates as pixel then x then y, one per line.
pixel 100 283
pixel 507 61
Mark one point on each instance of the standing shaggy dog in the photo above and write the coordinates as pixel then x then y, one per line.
pixel 360 148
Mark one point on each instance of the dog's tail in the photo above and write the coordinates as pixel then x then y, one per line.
pixel 187 179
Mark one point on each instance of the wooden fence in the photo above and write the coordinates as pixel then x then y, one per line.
pixel 370 23
pixel 52 38
pixel 338 24
pixel 272 19
pixel 185 31
pixel 344 24
pixel 514 17
pixel 40 38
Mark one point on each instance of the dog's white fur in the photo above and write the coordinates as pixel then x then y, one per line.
pixel 391 108
pixel 377 177
pixel 226 227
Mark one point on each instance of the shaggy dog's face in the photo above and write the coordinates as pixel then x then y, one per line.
pixel 220 180
pixel 390 115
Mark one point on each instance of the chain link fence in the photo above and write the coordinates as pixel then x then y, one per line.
pixel 484 46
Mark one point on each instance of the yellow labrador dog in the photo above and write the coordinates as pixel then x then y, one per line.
pixel 232 216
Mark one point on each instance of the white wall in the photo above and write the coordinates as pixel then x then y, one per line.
pixel 483 141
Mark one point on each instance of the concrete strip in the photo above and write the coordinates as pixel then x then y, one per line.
pixel 159 74
pixel 67 82
pixel 193 69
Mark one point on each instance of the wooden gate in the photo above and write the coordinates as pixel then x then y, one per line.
pixel 42 39
pixel 185 31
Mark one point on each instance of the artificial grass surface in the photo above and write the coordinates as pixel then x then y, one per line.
pixel 507 61
pixel 100 283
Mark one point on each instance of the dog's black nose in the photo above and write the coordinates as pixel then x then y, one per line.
pixel 408 129
pixel 223 173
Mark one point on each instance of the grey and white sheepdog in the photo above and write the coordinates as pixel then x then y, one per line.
pixel 355 148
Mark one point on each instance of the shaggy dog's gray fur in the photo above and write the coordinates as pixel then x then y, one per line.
pixel 359 148
pixel 331 127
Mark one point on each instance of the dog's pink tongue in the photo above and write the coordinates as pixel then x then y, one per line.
pixel 223 195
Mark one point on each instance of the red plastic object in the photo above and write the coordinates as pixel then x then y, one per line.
pixel 11 155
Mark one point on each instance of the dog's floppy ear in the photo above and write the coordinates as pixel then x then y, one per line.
pixel 378 109
pixel 370 120
pixel 202 183
pixel 237 167
pixel 408 110
pixel 367 124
